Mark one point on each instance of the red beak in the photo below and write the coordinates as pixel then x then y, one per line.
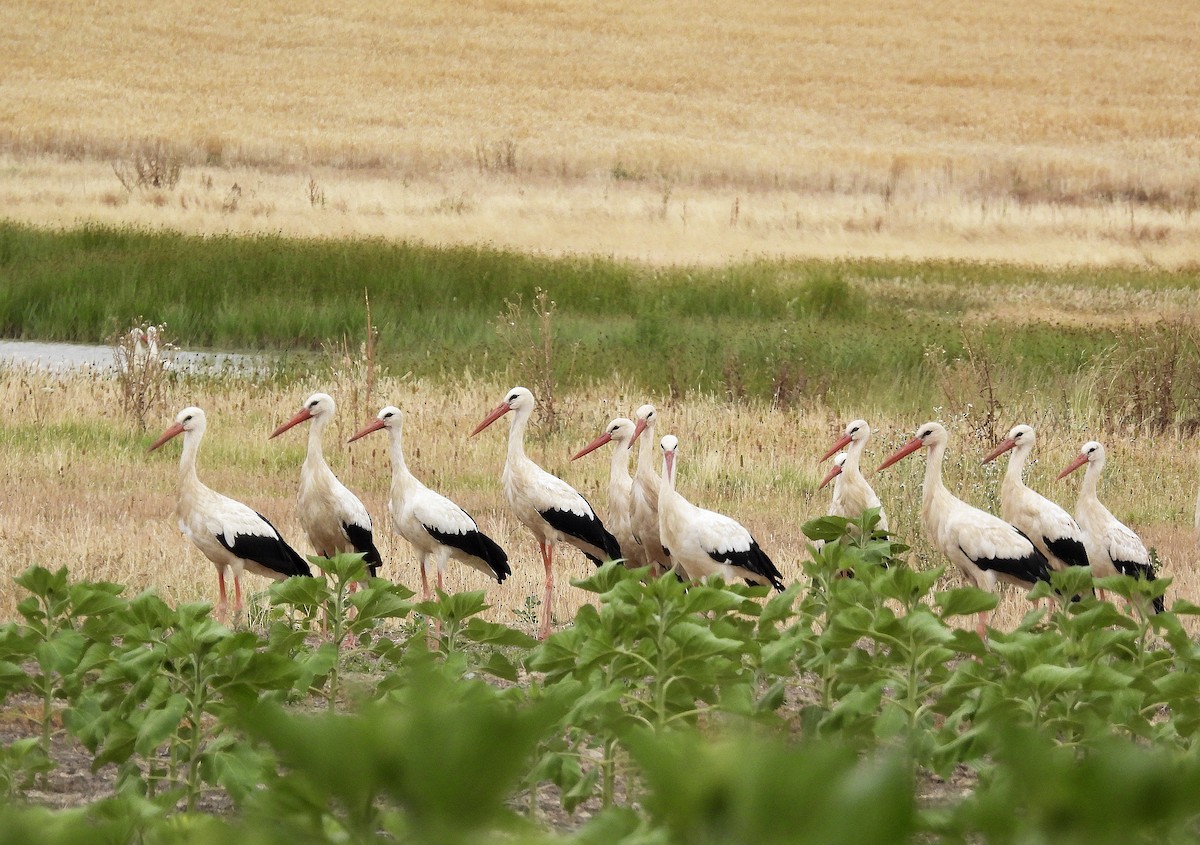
pixel 637 432
pixel 296 420
pixel 1074 465
pixel 172 430
pixel 834 472
pixel 373 426
pixel 593 446
pixel 904 451
pixel 833 450
pixel 1001 448
pixel 499 411
pixel 669 459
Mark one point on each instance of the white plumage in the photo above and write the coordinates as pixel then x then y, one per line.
pixel 620 433
pixel 437 528
pixel 230 534
pixel 984 547
pixel 852 494
pixel 1112 547
pixel 335 520
pixel 643 515
pixel 545 504
pixel 705 543
pixel 1054 531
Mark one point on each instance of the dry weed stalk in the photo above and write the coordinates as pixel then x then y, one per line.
pixel 151 165
pixel 968 383
pixel 354 373
pixel 1155 385
pixel 142 356
pixel 531 345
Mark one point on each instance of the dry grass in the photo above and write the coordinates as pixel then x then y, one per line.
pixel 679 132
pixel 82 492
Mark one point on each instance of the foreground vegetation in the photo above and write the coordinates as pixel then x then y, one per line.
pixel 909 336
pixel 712 713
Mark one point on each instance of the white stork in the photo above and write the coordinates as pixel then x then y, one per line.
pixel 437 529
pixel 549 507
pixel 620 488
pixel 984 547
pixel 230 534
pixel 643 516
pixel 1056 534
pixel 334 519
pixel 705 543
pixel 1112 547
pixel 852 495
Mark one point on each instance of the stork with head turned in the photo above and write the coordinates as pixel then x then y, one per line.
pixel 1112 547
pixel 705 543
pixel 984 547
pixel 230 534
pixel 643 515
pixel 437 529
pixel 619 432
pixel 1056 534
pixel 545 504
pixel 852 495
pixel 334 519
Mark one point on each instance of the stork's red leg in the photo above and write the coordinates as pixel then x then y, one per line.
pixel 223 604
pixel 547 561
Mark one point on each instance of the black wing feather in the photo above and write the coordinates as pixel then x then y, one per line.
pixel 267 550
pixel 1140 570
pixel 363 540
pixel 586 529
pixel 753 560
pixel 1069 550
pixel 476 544
pixel 1030 569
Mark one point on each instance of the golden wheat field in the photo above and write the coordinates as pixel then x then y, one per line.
pixel 1054 132
pixel 82 492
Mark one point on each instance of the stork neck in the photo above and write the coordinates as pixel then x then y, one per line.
pixel 1091 481
pixel 618 467
pixel 850 466
pixel 316 452
pixel 933 471
pixel 645 464
pixel 400 469
pixel 188 480
pixel 516 434
pixel 1016 466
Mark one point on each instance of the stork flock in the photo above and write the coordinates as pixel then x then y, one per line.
pixel 650 523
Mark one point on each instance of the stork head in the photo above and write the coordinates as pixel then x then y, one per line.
pixel 318 406
pixel 519 400
pixel 646 417
pixel 839 461
pixel 1089 453
pixel 390 418
pixel 856 432
pixel 669 445
pixel 189 420
pixel 928 435
pixel 1021 436
pixel 619 431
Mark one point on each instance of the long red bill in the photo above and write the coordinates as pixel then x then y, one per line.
pixel 593 446
pixel 303 415
pixel 1074 465
pixel 1002 447
pixel 173 430
pixel 499 411
pixel 834 472
pixel 372 426
pixel 903 452
pixel 833 450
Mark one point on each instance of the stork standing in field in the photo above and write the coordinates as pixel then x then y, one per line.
pixel 620 488
pixel 230 534
pixel 705 543
pixel 437 529
pixel 984 547
pixel 544 503
pixel 1056 534
pixel 852 495
pixel 643 515
pixel 334 519
pixel 1112 547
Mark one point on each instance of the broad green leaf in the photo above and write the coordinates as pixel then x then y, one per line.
pixel 160 724
pixel 964 601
